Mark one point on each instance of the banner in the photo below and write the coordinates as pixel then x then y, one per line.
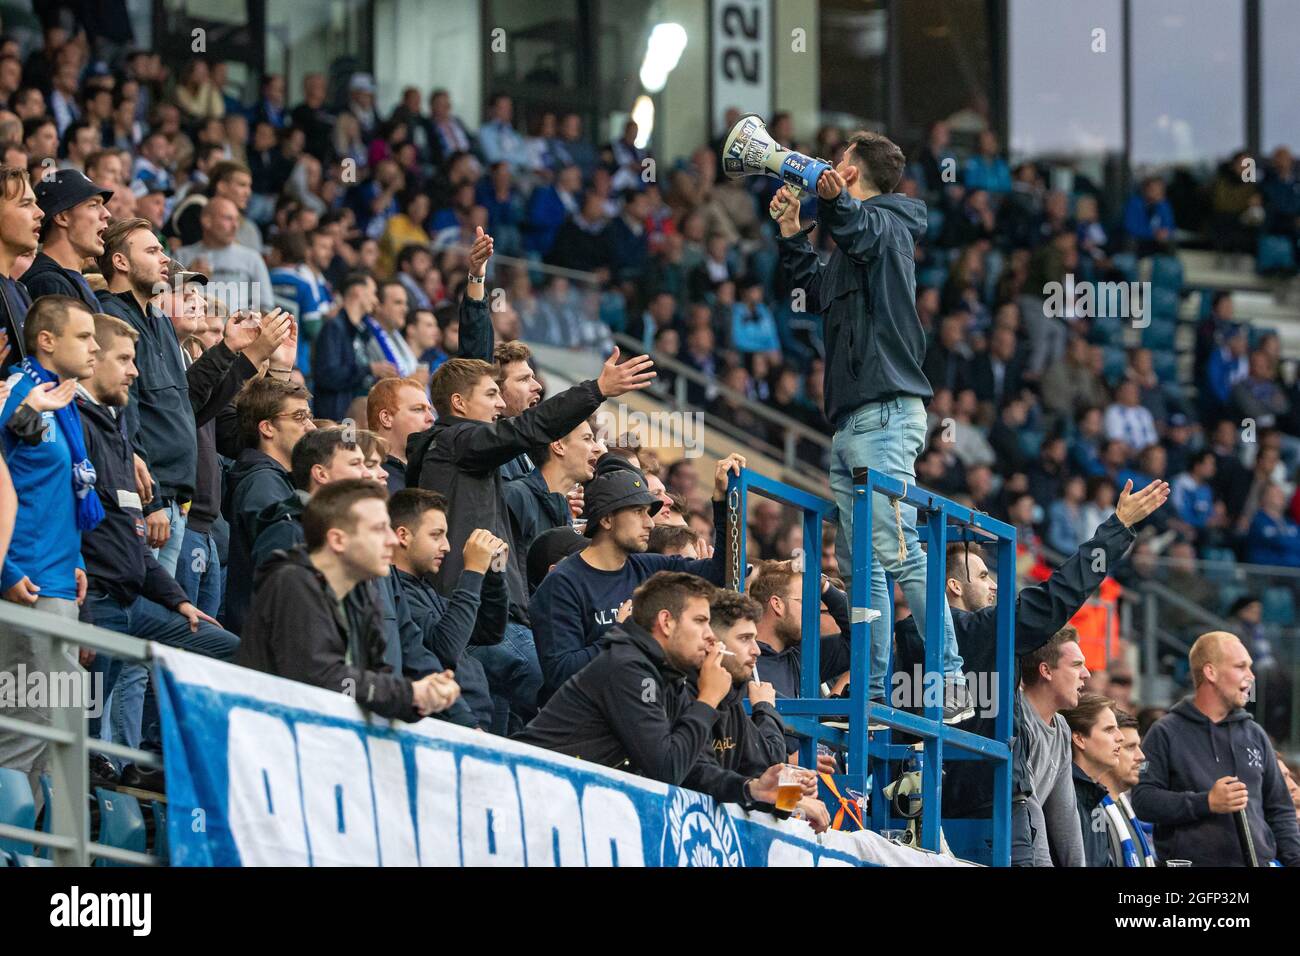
pixel 263 771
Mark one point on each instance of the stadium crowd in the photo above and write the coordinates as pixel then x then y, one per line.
pixel 206 299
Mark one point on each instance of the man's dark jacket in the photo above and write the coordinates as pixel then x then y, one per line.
pixel 866 293
pixel 474 615
pixel 462 460
pixel 297 629
pixel 629 708
pixel 255 482
pixel 743 742
pixel 533 508
pixel 168 402
pixel 1186 753
pixel 118 560
pixel 1041 611
pixel 46 277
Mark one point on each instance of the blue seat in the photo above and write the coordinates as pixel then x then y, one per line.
pixel 1275 254
pixel 1279 606
pixel 160 847
pixel 1228 593
pixel 1220 555
pixel 121 823
pixel 1163 304
pixel 1107 331
pixel 1126 264
pixel 1166 368
pixel 17 807
pixel 1113 364
pixel 24 859
pixel 935 218
pixel 1159 336
pixel 1167 273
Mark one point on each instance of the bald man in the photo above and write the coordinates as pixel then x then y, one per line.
pixel 1207 759
pixel 238 275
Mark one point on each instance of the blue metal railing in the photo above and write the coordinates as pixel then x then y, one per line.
pixel 870 755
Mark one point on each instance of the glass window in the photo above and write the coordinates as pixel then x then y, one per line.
pixel 1189 80
pixel 317 36
pixel 946 70
pixel 544 64
pixel 1066 80
pixel 1279 74
pixel 854 79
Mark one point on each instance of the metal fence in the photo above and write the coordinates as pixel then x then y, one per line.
pixel 68 744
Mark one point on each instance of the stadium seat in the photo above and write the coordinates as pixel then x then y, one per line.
pixel 1167 273
pixel 17 807
pixel 1276 254
pixel 1126 264
pixel 1228 593
pixel 1159 335
pixel 1279 606
pixel 1163 304
pixel 25 859
pixel 1107 331
pixel 1165 365
pixel 934 223
pixel 1220 555
pixel 5 859
pixel 121 824
pixel 1113 364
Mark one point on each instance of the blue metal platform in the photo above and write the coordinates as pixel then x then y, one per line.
pixel 873 759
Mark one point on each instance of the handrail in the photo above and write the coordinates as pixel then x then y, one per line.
pixel 68 743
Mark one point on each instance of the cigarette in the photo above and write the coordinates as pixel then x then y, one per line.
pixel 722 651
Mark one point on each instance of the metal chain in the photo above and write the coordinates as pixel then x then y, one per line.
pixel 733 533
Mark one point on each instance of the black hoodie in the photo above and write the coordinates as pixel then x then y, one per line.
pixel 297 629
pixel 618 712
pixel 1186 753
pixel 866 293
pixel 46 277
pixel 255 482
pixel 118 560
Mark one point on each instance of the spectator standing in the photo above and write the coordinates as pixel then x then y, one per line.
pixel 20 223
pixel 396 409
pixel 71 232
pixel 1095 743
pixel 1130 845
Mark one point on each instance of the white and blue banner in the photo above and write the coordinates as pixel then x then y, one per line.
pixel 263 771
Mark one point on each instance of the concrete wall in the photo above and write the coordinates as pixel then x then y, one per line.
pixel 428 44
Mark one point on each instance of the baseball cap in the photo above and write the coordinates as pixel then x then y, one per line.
pixel 67 188
pixel 180 276
pixel 551 547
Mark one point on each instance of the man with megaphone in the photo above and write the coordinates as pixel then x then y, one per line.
pixel 875 389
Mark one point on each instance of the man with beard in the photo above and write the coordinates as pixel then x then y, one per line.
pixel 748 743
pixel 1207 760
pixel 72 232
pixel 630 707
pixel 583 597
pixel 520 390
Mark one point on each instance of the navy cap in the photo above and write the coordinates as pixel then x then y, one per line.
pixel 66 188
pixel 623 487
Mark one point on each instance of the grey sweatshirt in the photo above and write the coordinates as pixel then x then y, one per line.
pixel 1053 820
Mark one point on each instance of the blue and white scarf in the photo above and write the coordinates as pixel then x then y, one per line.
pixel 403 367
pixel 1117 814
pixel 89 510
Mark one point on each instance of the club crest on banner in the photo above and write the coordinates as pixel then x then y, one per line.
pixel 698 832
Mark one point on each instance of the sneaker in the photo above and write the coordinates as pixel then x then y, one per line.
pixel 957 705
pixel 102 771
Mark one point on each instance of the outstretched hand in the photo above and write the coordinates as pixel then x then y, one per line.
pixel 1132 508
pixel 634 374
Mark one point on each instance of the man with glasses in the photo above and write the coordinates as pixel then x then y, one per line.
pixel 273 416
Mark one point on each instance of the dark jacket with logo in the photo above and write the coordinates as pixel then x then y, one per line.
pixel 297 629
pixel 866 293
pixel 743 742
pixel 255 482
pixel 1092 820
pixel 1186 753
pixel 47 277
pixel 118 560
pixel 462 460
pixel 629 708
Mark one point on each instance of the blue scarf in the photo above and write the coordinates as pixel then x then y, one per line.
pixel 385 346
pixel 89 510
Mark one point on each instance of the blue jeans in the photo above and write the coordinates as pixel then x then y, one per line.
pixel 886 436
pixel 514 677
pixel 134 711
pixel 170 552
pixel 199 571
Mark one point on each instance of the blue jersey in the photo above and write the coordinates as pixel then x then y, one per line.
pixel 46 546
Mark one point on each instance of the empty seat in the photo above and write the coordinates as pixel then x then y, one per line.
pixel 24 859
pixel 160 828
pixel 1159 335
pixel 17 807
pixel 1279 606
pixel 121 823
pixel 1163 304
pixel 1167 273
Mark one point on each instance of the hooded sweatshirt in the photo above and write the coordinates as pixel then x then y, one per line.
pixel 1186 753
pixel 255 482
pixel 46 277
pixel 298 629
pixel 866 293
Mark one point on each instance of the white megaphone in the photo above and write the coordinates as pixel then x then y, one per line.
pixel 751 151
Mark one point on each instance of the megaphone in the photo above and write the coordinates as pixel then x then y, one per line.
pixel 751 151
